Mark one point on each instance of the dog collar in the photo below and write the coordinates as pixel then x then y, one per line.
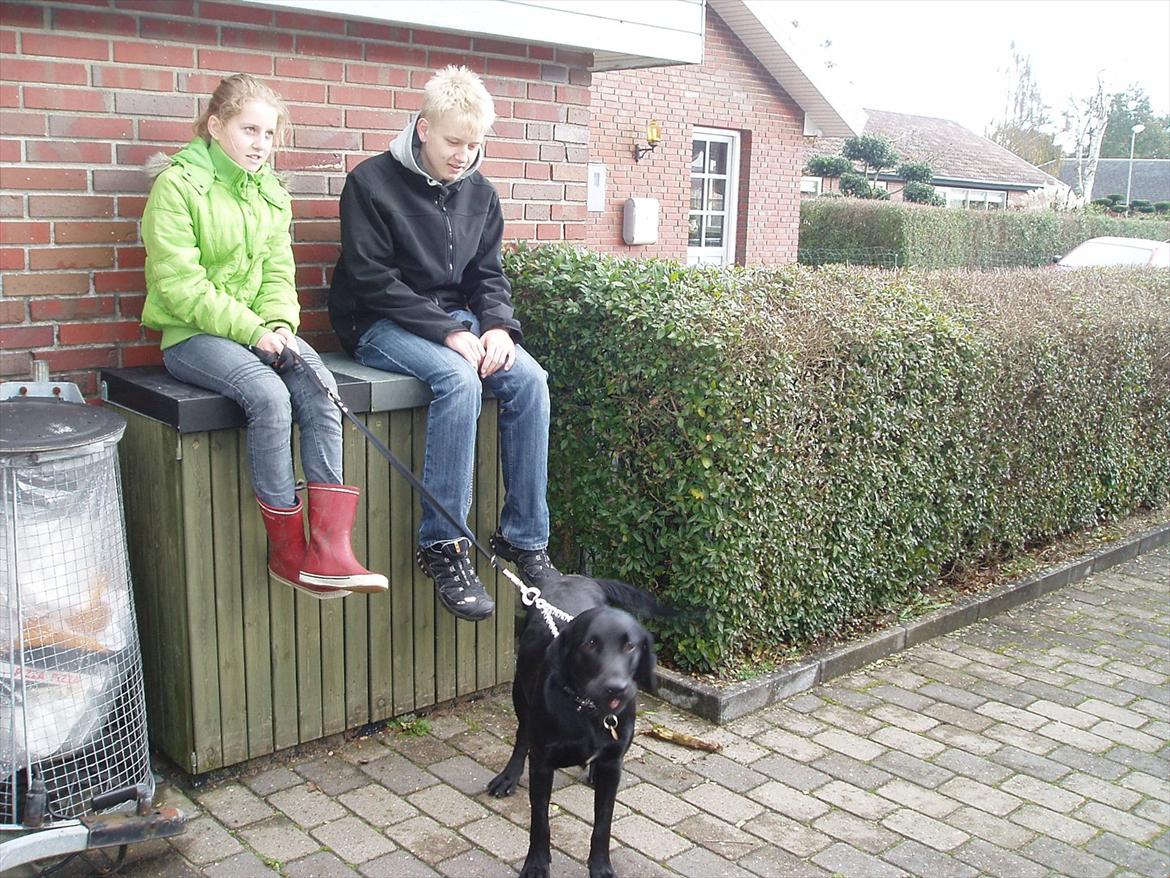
pixel 586 704
pixel 582 703
pixel 610 721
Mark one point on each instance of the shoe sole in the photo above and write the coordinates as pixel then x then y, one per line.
pixel 368 583
pixel 325 593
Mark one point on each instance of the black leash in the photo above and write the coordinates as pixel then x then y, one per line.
pixel 530 595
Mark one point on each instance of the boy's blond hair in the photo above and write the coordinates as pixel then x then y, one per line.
pixel 457 94
pixel 229 98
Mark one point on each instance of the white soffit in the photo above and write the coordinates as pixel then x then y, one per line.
pixel 829 108
pixel 632 33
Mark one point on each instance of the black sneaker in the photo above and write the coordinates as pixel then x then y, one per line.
pixel 533 565
pixel 459 589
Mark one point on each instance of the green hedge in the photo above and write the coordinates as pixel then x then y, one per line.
pixel 788 448
pixel 932 237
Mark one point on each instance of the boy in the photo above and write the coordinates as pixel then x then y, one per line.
pixel 419 289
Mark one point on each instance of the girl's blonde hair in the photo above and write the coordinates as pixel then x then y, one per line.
pixel 457 94
pixel 229 98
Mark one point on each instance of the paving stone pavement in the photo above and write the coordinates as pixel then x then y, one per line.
pixel 1033 743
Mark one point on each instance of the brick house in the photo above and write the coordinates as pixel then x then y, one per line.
pixel 734 128
pixel 90 88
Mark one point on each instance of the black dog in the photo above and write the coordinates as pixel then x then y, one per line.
pixel 575 699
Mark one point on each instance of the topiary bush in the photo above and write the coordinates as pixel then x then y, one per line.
pixel 785 449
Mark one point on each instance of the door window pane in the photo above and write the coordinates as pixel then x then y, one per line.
pixel 694 237
pixel 698 154
pixel 717 160
pixel 696 193
pixel 718 190
pixel 713 234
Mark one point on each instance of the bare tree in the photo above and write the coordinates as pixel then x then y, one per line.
pixel 1024 126
pixel 1085 121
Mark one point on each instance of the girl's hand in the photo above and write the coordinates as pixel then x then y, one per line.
pixel 271 343
pixel 290 340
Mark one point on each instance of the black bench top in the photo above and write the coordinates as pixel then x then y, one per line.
pixel 151 391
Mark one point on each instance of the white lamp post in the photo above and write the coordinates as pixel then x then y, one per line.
pixel 1136 129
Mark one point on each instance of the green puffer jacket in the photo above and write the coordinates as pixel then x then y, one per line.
pixel 218 250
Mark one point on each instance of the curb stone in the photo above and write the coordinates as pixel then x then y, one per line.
pixel 722 704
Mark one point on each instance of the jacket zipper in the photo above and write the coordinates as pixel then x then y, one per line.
pixel 441 203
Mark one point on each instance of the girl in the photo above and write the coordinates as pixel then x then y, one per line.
pixel 220 287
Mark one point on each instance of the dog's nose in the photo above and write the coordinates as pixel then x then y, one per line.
pixel 616 688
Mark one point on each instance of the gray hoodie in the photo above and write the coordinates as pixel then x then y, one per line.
pixel 406 148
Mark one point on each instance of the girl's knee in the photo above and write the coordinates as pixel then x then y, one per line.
pixel 267 402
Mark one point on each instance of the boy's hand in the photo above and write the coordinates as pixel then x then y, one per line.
pixel 466 345
pixel 499 350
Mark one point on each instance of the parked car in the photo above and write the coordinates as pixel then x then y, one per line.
pixel 1117 251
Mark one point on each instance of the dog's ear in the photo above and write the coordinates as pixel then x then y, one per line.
pixel 560 649
pixel 646 674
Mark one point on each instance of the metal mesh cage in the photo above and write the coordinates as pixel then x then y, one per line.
pixel 72 710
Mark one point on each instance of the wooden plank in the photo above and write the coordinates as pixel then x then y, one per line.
pixel 152 504
pixel 330 659
pixel 380 637
pixel 307 615
pixel 480 660
pixel 423 627
pixel 258 667
pixel 229 605
pixel 367 543
pixel 403 541
pixel 283 640
pixel 207 745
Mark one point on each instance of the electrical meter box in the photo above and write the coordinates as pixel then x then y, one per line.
pixel 640 221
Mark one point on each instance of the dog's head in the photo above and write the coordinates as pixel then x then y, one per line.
pixel 606 656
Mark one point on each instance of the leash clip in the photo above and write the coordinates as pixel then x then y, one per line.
pixel 611 723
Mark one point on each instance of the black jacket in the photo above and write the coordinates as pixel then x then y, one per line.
pixel 412 251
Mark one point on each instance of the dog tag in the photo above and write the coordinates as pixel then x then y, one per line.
pixel 610 722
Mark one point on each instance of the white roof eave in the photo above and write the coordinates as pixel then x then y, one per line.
pixel 830 111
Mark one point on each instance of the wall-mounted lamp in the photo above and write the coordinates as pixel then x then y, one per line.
pixel 653 135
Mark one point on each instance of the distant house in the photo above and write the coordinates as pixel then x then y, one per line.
pixel 969 170
pixel 1151 177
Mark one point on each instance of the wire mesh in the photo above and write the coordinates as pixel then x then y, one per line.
pixel 72 709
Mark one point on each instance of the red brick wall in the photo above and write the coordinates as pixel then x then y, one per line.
pixel 729 90
pixel 90 88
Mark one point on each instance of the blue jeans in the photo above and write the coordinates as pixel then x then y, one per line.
pixel 270 401
pixel 449 462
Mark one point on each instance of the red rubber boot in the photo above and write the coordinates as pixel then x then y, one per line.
pixel 286 549
pixel 329 561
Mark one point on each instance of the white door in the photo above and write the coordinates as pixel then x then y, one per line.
pixel 714 173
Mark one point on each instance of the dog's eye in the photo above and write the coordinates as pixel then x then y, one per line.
pixel 630 646
pixel 590 644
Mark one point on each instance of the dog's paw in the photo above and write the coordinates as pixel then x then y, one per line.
pixel 601 870
pixel 503 784
pixel 536 868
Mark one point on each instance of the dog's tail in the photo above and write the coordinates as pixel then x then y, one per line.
pixel 634 599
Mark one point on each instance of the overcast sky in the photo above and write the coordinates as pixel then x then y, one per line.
pixel 948 58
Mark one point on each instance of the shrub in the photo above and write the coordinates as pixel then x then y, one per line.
pixel 784 449
pixel 856 185
pixel 933 237
pixel 828 166
pixel 922 193
pixel 916 172
pixel 1162 207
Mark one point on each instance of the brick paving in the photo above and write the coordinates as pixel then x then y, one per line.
pixel 1036 742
